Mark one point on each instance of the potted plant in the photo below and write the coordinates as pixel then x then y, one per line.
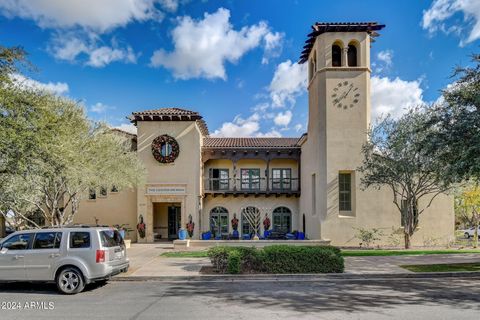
pixel 190 226
pixel 266 226
pixel 234 222
pixel 124 231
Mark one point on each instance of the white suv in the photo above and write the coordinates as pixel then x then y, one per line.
pixel 70 256
pixel 468 233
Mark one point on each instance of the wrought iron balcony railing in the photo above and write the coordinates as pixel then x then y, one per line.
pixel 251 185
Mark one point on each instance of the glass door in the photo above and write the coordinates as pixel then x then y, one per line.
pixel 174 223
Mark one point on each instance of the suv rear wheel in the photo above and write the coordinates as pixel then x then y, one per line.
pixel 70 281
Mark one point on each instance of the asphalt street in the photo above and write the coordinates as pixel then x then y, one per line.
pixel 437 298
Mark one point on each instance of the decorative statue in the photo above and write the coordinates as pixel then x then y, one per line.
pixel 234 222
pixel 190 226
pixel 266 222
pixel 141 227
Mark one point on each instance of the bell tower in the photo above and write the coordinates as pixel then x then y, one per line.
pixel 338 57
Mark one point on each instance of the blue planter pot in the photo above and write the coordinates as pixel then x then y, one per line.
pixel 235 234
pixel 182 234
pixel 301 236
pixel 206 235
pixel 266 233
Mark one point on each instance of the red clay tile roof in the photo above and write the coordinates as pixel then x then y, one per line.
pixel 167 112
pixel 250 143
pixel 322 27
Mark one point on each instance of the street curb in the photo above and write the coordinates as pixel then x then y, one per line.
pixel 299 277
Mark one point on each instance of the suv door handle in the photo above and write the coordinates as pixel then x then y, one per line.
pixel 54 255
pixel 16 257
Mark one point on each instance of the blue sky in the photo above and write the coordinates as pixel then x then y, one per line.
pixel 233 61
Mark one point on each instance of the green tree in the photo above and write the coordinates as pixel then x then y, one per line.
pixel 454 127
pixel 393 159
pixel 51 154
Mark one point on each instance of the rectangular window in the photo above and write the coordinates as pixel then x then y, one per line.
pixel 219 179
pixel 281 179
pixel 47 240
pixel 250 179
pixel 103 192
pixel 314 194
pixel 18 242
pixel 111 238
pixel 79 240
pixel 92 195
pixel 345 191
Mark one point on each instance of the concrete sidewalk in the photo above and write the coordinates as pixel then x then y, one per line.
pixel 146 261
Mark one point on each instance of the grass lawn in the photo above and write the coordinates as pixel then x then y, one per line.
pixel 345 253
pixel 456 267
pixel 185 254
pixel 383 253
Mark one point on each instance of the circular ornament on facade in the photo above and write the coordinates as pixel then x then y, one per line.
pixel 165 149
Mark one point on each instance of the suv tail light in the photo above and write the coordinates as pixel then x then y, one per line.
pixel 100 256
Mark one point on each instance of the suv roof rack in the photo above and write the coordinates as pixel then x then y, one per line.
pixel 78 225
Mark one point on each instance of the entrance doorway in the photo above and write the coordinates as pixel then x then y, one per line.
pixel 166 220
pixel 174 222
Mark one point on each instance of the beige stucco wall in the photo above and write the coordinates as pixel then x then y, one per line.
pixel 236 204
pixel 115 208
pixel 185 171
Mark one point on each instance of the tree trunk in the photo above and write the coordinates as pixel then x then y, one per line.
pixel 475 235
pixel 407 240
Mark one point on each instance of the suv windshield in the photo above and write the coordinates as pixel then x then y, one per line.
pixel 111 238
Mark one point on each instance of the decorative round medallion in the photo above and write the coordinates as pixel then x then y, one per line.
pixel 345 95
pixel 165 149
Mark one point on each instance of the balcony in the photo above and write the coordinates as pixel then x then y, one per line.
pixel 255 186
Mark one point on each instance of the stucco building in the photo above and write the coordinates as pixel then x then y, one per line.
pixel 308 183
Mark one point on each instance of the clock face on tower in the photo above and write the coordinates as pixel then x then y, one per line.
pixel 345 95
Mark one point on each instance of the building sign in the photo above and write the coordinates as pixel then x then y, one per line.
pixel 168 190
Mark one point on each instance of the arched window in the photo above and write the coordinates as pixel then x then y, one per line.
pixel 219 221
pixel 352 55
pixel 336 56
pixel 282 219
pixel 247 227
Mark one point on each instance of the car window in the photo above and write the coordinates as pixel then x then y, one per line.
pixel 18 242
pixel 79 239
pixel 47 240
pixel 111 238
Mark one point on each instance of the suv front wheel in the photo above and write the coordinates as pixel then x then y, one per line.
pixel 70 281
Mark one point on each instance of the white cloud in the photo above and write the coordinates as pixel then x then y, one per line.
pixel 169 5
pixel 435 17
pixel 394 96
pixel 202 47
pixel 53 87
pixel 386 57
pixel 283 118
pixel 298 127
pixel 273 46
pixel 99 16
pixel 127 127
pixel 102 56
pixel 70 46
pixel 100 108
pixel 239 127
pixel 289 81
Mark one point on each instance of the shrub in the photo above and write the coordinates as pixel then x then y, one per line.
pixel 368 236
pixel 277 259
pixel 233 261
pixel 302 259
